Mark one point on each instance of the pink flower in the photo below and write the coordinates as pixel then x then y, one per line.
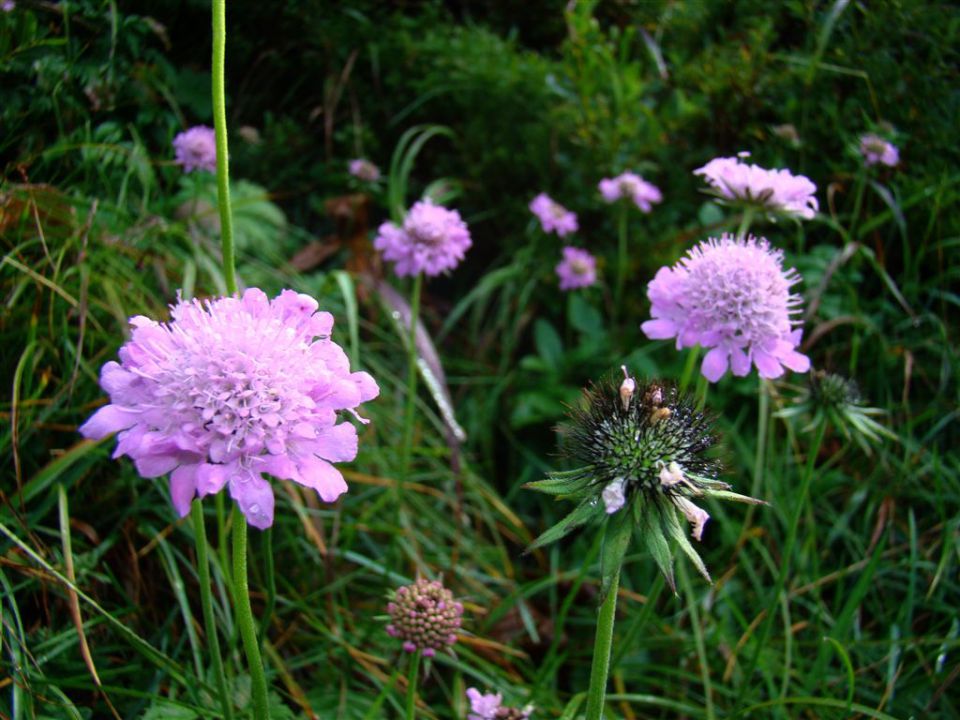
pixel 232 388
pixel 553 216
pixel 578 269
pixel 196 149
pixel 364 170
pixel 733 297
pixel 877 150
pixel 771 191
pixel 630 186
pixel 432 240
pixel 483 706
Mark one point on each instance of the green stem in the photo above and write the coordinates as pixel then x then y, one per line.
pixel 763 414
pixel 689 367
pixel 411 379
pixel 245 621
pixel 622 260
pixel 857 204
pixel 206 602
pixel 412 686
pixel 220 130
pixel 267 617
pixel 745 221
pixel 601 651
pixel 698 639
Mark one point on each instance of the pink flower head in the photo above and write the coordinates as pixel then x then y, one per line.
pixel 733 297
pixel 877 150
pixel 578 269
pixel 483 706
pixel 8 5
pixel 196 149
pixel 432 240
pixel 232 388
pixel 630 186
pixel 364 170
pixel 553 216
pixel 772 191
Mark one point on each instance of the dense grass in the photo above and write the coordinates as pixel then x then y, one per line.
pixel 100 602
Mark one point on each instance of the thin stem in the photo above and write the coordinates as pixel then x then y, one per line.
pixel 412 686
pixel 245 621
pixel 689 367
pixel 220 130
pixel 267 617
pixel 411 378
pixel 745 221
pixel 206 602
pixel 698 639
pixel 601 651
pixel 763 415
pixel 621 258
pixel 857 204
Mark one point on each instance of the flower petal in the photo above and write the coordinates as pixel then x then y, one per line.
pixel 183 486
pixel 715 363
pixel 108 419
pixel 255 498
pixel 323 477
pixel 659 329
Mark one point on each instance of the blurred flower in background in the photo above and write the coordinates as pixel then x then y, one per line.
pixel 553 216
pixel 877 151
pixel 772 192
pixel 578 269
pixel 630 186
pixel 196 149
pixel 364 170
pixel 431 240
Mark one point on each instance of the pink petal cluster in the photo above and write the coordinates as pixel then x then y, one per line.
pixel 630 186
pixel 196 149
pixel 364 170
pixel 772 191
pixel 553 216
pixel 732 296
pixel 230 389
pixel 432 240
pixel 578 269
pixel 490 706
pixel 876 150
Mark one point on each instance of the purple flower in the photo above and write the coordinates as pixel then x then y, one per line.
pixel 630 186
pixel 364 170
pixel 483 706
pixel 877 150
pixel 232 388
pixel 578 269
pixel 553 216
pixel 432 240
pixel 196 149
pixel 8 6
pixel 771 191
pixel 732 296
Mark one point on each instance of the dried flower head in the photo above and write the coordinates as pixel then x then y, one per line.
pixel 425 616
pixel 630 186
pixel 578 269
pixel 196 149
pixel 490 706
pixel 732 296
pixel 230 389
pixel 876 150
pixel 773 192
pixel 553 216
pixel 432 240
pixel 364 170
pixel 647 460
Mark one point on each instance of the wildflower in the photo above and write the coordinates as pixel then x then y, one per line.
pixel 733 297
pixel 490 706
pixel 8 5
pixel 630 186
pixel 196 149
pixel 230 389
pixel 770 191
pixel 655 451
pixel 578 269
pixel 432 240
pixel 553 216
pixel 364 170
pixel 834 399
pixel 425 616
pixel 877 150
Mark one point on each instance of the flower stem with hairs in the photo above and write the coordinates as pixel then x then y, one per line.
pixel 408 417
pixel 602 646
pixel 244 613
pixel 412 677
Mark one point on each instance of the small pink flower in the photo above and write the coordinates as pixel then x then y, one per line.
pixel 230 389
pixel 578 269
pixel 876 150
pixel 431 240
pixel 196 149
pixel 630 186
pixel 364 170
pixel 553 216
pixel 733 297
pixel 770 191
pixel 425 616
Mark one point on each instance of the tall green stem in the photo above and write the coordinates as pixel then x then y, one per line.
pixel 745 221
pixel 206 602
pixel 622 260
pixel 223 158
pixel 601 651
pixel 241 605
pixel 412 686
pixel 763 415
pixel 689 367
pixel 411 378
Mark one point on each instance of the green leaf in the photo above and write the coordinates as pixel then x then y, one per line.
pixel 673 529
pixel 576 518
pixel 584 316
pixel 548 342
pixel 652 536
pixel 615 544
pixel 568 482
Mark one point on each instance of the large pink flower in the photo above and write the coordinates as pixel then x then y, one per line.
pixel 230 389
pixel 776 192
pixel 733 297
